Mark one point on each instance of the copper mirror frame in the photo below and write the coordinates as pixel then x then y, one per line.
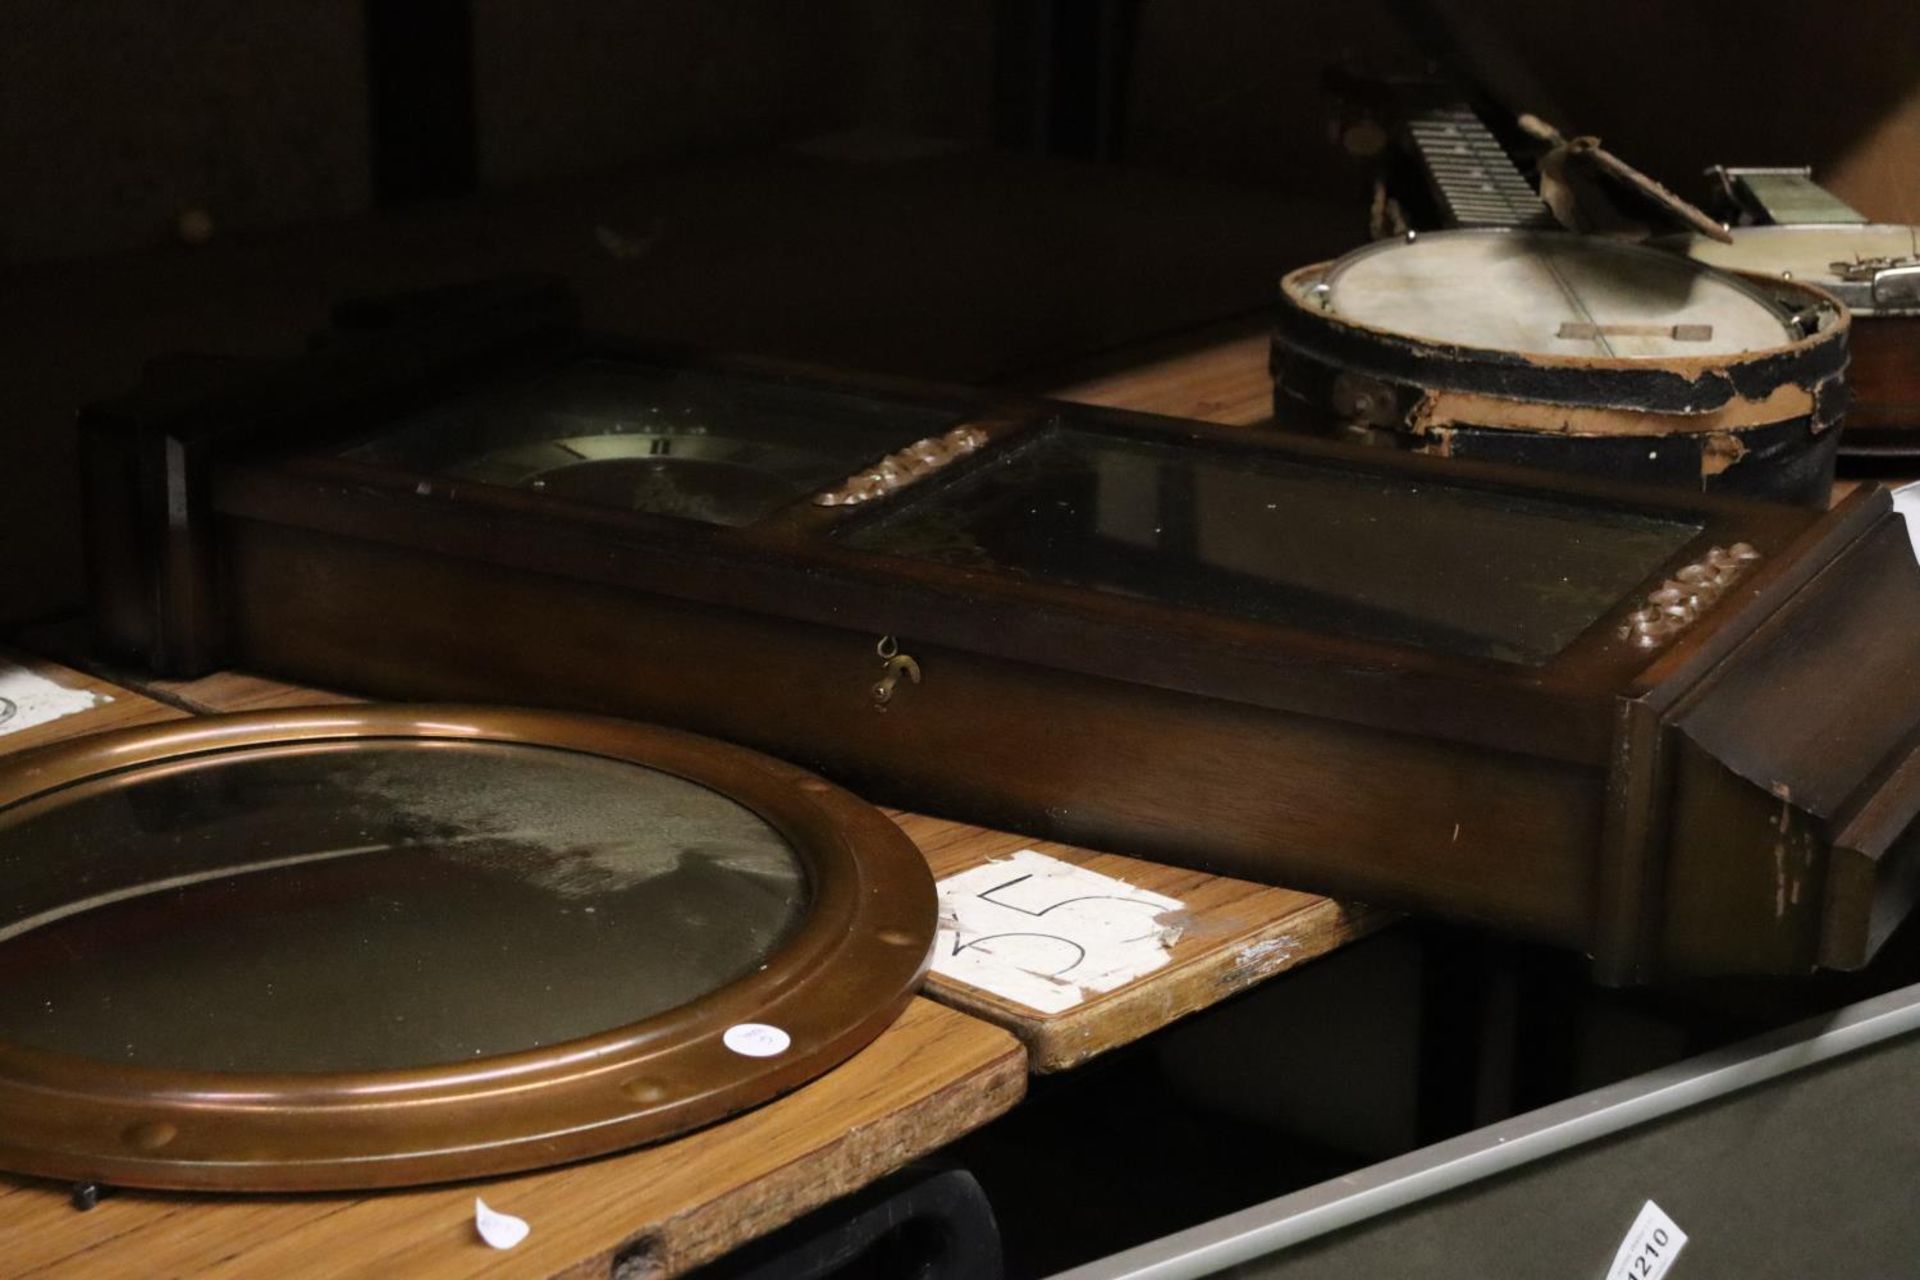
pixel 833 984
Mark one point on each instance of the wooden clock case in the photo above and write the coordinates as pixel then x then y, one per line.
pixel 1717 771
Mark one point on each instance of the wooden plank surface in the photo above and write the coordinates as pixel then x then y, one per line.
pixel 931 1077
pixel 1231 935
pixel 122 708
pixel 221 692
pixel 234 691
pixel 1217 375
pixel 934 1075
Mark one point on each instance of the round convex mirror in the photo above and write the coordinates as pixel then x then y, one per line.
pixel 368 946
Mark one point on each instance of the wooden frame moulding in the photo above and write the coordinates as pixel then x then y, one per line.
pixel 836 983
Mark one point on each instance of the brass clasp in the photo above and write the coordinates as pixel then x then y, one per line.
pixel 894 664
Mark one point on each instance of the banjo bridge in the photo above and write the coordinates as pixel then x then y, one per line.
pixel 1583 330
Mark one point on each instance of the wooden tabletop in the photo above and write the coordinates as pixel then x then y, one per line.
pixel 1225 936
pixel 1217 373
pixel 658 1211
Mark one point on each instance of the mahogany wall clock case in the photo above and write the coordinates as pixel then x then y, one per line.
pixel 1677 730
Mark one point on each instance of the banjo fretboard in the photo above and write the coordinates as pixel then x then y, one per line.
pixel 1472 175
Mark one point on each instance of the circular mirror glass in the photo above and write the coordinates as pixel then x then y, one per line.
pixel 363 906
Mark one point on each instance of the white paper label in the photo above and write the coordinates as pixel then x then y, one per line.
pixel 501 1230
pixel 1906 500
pixel 756 1039
pixel 1652 1243
pixel 1046 933
pixel 28 699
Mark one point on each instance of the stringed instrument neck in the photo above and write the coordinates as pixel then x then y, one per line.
pixel 1474 181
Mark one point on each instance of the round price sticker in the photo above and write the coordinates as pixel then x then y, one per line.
pixel 756 1039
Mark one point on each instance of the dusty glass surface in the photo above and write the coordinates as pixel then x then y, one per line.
pixel 346 907
pixel 1483 573
pixel 719 450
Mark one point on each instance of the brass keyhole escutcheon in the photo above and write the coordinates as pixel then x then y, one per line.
pixel 894 664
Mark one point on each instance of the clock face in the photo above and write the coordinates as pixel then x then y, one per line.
pixel 684 471
pixel 677 444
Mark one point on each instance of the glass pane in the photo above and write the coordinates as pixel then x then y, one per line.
pixel 1476 572
pixel 719 450
pixel 347 907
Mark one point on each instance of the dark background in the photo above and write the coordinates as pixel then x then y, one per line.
pixel 973 190
pixel 118 115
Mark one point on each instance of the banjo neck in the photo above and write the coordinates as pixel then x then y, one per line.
pixel 1474 180
pixel 1783 195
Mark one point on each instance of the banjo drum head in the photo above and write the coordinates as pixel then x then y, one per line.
pixel 1548 294
pixel 1839 259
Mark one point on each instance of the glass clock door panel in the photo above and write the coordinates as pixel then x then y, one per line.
pixel 1478 572
pixel 717 450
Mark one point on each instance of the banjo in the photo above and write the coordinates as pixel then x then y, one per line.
pixel 1803 232
pixel 1504 340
